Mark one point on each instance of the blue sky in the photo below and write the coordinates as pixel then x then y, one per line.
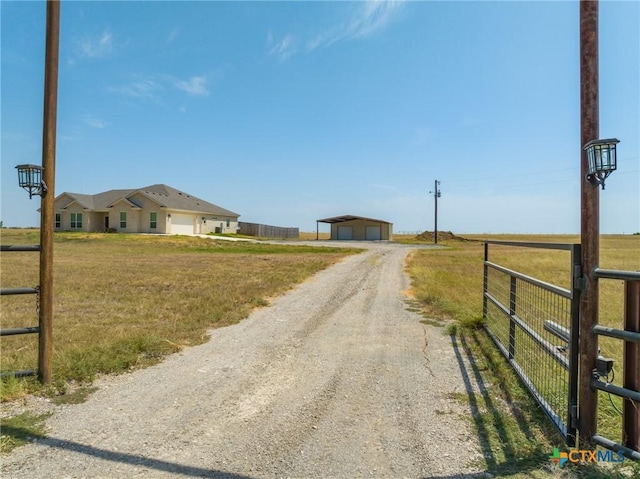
pixel 286 112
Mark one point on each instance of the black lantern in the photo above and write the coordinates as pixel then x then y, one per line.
pixel 601 160
pixel 30 178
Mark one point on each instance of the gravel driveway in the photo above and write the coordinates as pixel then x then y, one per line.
pixel 336 379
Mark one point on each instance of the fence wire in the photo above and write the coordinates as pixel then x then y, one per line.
pixel 530 322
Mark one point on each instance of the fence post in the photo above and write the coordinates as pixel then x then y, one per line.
pixel 485 283
pixel 630 413
pixel 512 312
pixel 574 344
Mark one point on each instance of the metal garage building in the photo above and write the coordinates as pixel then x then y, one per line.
pixel 359 228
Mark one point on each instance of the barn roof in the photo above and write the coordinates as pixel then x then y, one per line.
pixel 343 218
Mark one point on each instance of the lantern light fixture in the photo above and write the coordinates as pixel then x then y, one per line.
pixel 30 178
pixel 601 160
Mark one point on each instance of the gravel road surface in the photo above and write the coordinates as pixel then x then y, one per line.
pixel 336 379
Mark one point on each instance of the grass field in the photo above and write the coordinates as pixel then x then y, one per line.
pixel 447 284
pixel 125 301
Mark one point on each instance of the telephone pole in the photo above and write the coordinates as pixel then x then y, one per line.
pixel 589 221
pixel 436 194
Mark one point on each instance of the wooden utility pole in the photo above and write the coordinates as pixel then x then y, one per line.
pixel 436 195
pixel 45 316
pixel 589 224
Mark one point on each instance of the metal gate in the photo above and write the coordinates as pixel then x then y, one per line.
pixel 535 325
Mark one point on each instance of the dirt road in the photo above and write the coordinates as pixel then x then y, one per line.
pixel 334 380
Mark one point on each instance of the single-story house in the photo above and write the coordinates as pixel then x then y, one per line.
pixel 152 209
pixel 349 227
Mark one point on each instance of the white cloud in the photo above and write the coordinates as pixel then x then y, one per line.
pixel 145 88
pixel 150 87
pixel 173 34
pixel 97 46
pixel 195 86
pixel 284 48
pixel 365 19
pixel 368 18
pixel 94 122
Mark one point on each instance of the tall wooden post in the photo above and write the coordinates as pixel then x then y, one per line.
pixel 45 350
pixel 589 224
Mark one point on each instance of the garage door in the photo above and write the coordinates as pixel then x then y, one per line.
pixel 373 233
pixel 181 224
pixel 345 232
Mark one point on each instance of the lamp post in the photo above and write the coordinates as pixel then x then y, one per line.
pixel 39 180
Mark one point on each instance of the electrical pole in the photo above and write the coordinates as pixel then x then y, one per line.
pixel 436 195
pixel 45 350
pixel 590 227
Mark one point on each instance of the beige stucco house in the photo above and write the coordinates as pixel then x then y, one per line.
pixel 349 227
pixel 152 209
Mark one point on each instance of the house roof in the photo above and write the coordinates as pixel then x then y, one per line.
pixel 343 218
pixel 163 195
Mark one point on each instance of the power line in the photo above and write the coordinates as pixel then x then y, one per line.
pixel 531 173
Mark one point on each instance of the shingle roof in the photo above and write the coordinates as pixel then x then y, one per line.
pixel 164 195
pixel 86 201
pixel 179 200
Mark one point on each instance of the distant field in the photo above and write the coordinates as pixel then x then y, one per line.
pixel 123 301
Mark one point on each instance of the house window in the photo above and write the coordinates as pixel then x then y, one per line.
pixel 76 220
pixel 58 222
pixel 153 220
pixel 228 223
pixel 123 219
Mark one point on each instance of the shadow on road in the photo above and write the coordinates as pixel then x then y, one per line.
pixel 124 458
pixel 490 419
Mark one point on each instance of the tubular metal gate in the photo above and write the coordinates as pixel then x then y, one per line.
pixel 13 291
pixel 531 323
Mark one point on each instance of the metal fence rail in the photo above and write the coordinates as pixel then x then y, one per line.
pixel 531 321
pixel 15 291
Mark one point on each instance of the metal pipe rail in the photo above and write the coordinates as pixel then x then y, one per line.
pixel 617 274
pixel 617 390
pixel 20 247
pixel 19 374
pixel 10 291
pixel 619 448
pixel 14 331
pixel 617 333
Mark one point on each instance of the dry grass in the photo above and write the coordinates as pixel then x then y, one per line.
pixel 448 284
pixel 124 301
pixel 311 235
pixel 449 280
